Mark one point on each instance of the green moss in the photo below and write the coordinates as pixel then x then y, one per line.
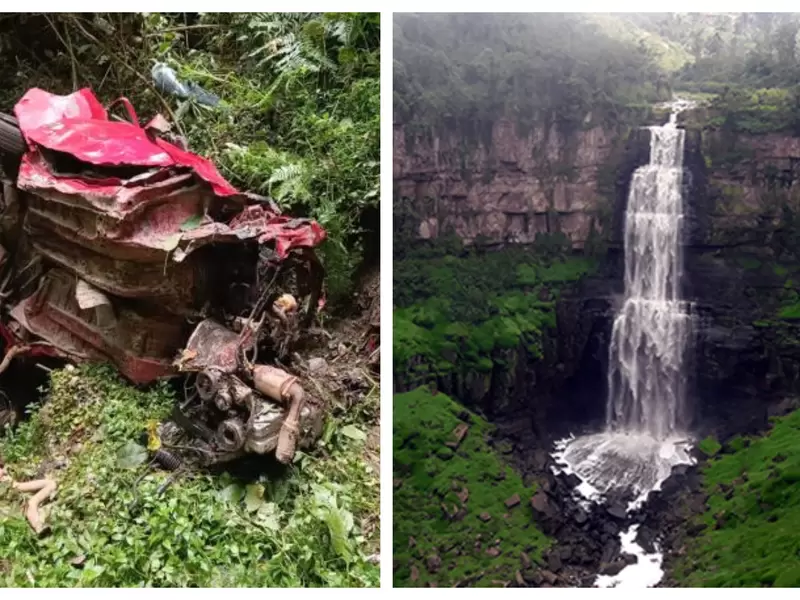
pixel 429 477
pixel 469 309
pixel 780 270
pixel 751 535
pixel 790 312
pixel 709 446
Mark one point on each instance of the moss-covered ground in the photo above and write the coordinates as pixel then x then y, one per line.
pixel 753 518
pixel 450 504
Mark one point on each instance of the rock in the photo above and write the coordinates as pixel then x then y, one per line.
pixel 569 479
pixel 513 501
pixel 458 435
pixel 646 538
pixel 398 483
pixel 580 516
pixel 434 563
pixel 554 562
pixel 611 528
pixel 549 577
pixel 612 568
pixel 542 505
pixel 463 495
pixel 617 511
pixel 412 541
pixel 549 483
pixel 610 551
pixel 432 584
pixel 485 517
pixel 526 561
pixel 630 559
pixel 317 366
pixel 520 581
pixel 696 529
pixel 494 552
pixel 533 577
pixel 540 460
pixel 414 573
pixel 566 553
pixel 78 561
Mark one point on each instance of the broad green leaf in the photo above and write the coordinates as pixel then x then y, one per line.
pixel 232 494
pixel 337 526
pixel 254 497
pixel 353 432
pixel 131 455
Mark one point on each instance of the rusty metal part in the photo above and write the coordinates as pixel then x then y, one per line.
pixel 231 435
pixel 283 387
pixel 213 346
pixel 208 383
pixel 139 344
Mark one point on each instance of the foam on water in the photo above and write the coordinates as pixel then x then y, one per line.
pixel 645 572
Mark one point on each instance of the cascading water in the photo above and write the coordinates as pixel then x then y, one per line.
pixel 644 435
pixel 645 413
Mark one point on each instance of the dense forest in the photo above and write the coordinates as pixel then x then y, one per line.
pixel 567 68
pixel 471 68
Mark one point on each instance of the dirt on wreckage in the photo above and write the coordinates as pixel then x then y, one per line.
pixel 118 246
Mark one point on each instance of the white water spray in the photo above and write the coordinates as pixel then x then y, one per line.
pixel 644 435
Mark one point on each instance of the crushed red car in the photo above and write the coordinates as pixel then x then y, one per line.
pixel 119 246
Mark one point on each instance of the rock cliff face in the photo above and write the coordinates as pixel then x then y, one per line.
pixel 742 264
pixel 508 187
pixel 742 257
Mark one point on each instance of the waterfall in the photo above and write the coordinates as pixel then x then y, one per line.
pixel 648 342
pixel 645 433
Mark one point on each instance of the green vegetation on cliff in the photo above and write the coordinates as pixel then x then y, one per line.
pixel 457 312
pixel 753 514
pixel 451 520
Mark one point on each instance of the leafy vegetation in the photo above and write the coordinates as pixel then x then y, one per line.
pixel 112 525
pixel 454 312
pixel 300 110
pixel 465 71
pixel 431 478
pixel 750 538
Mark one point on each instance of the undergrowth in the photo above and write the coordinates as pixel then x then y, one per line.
pixel 753 515
pixel 431 478
pixel 313 525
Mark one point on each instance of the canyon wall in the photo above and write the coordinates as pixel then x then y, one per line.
pixel 742 256
pixel 512 185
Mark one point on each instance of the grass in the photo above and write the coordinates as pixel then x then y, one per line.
pixel 751 537
pixel 314 525
pixel 432 477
